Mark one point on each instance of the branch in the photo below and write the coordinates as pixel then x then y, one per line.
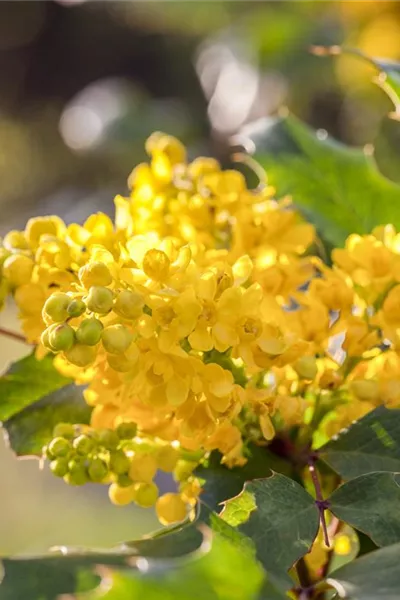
pixel 322 504
pixel 13 335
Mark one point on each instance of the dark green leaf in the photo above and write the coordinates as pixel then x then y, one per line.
pixel 337 187
pixel 371 503
pixel 375 576
pixel 25 382
pixel 280 518
pixel 30 429
pixel 371 444
pixel 221 483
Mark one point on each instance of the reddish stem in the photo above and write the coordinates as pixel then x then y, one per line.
pixel 13 335
pixel 320 502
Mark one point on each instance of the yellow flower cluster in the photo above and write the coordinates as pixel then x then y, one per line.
pixel 199 315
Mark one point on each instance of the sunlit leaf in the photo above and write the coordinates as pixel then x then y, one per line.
pixel 281 520
pixel 338 188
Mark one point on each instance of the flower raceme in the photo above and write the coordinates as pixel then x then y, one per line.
pixel 199 320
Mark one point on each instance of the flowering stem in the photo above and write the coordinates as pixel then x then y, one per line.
pixel 322 504
pixel 13 335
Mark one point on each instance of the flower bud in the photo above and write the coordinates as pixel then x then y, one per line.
pixel 124 480
pixel 77 474
pixel 184 469
pixel 59 446
pixel 365 389
pixel 128 305
pixel 306 367
pixel 156 264
pixel 61 337
pixel 89 332
pixel 145 494
pixel 330 380
pixel 59 467
pixel 76 308
pixel 170 508
pixel 15 240
pixel 143 467
pixel 108 439
pixel 99 299
pixel 167 457
pixel 17 269
pixel 119 463
pixel 97 470
pixel 83 444
pixel 121 495
pixel 126 430
pixel 94 273
pixel 80 355
pixel 116 339
pixel 65 430
pixel 55 307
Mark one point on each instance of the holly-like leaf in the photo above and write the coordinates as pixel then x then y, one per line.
pixel 371 577
pixel 370 444
pixel 280 518
pixel 26 381
pixel 387 72
pixel 221 483
pixel 34 397
pixel 371 503
pixel 338 188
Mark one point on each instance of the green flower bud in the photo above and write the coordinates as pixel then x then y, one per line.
pixel 97 470
pixel 146 494
pixel 99 299
pixel 108 439
pixel 116 339
pixel 184 469
pixel 59 446
pixel 61 337
pixel 76 477
pixel 76 308
pixel 128 305
pixel 65 430
pixel 94 273
pixel 56 307
pixel 119 463
pixel 126 430
pixel 89 332
pixel 124 480
pixel 45 337
pixel 80 355
pixel 59 467
pixel 83 445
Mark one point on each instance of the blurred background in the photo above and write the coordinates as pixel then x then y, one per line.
pixel 82 84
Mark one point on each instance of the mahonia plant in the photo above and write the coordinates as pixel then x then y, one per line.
pixel 202 321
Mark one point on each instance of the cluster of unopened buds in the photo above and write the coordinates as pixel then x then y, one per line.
pixel 202 317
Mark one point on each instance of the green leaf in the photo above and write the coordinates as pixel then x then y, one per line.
pixel 370 444
pixel 224 573
pixel 371 503
pixel 34 397
pixel 281 520
pixel 387 72
pixel 371 577
pixel 338 188
pixel 221 483
pixel 214 569
pixel 25 382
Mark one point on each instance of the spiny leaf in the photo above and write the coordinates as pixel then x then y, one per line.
pixel 338 188
pixel 370 444
pixel 221 483
pixel 387 72
pixel 371 503
pixel 282 527
pixel 373 576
